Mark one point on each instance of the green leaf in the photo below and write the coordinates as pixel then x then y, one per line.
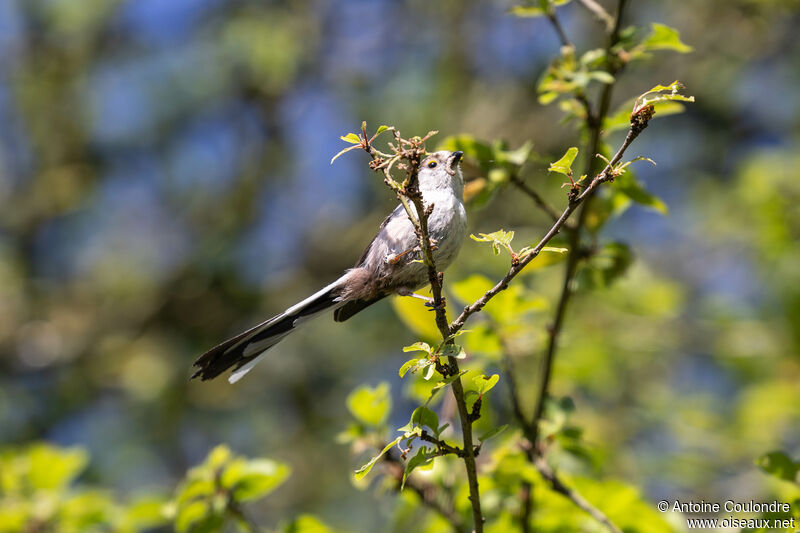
pixel 508 306
pixel 544 7
pixel 49 467
pixel 601 76
pixel 364 470
pixel 442 384
pixel 195 489
pixel 493 432
pixel 779 465
pixel 420 459
pixel 381 129
pixel 416 316
pixel 453 350
pixel 217 457
pixel 198 517
pixel 621 119
pixel 413 365
pixel 254 479
pixel 144 513
pixel 557 413
pixel 628 185
pixel 369 405
pixel 610 263
pixel 418 347
pixel 564 165
pixel 484 384
pixel 658 94
pixel 422 416
pixel 307 524
pixel 351 138
pixel 665 38
pixel 499 238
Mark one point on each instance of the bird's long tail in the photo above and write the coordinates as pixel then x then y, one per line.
pixel 245 350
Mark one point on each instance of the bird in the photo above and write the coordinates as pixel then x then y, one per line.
pixel 390 264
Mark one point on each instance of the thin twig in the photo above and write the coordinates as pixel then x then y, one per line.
pixel 595 124
pixel 442 448
pixel 575 252
pixel 559 486
pixel 501 285
pixel 535 196
pixel 600 13
pixel 562 36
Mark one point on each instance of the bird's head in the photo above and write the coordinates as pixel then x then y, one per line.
pixel 441 170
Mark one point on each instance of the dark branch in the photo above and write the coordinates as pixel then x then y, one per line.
pixel 535 196
pixel 557 485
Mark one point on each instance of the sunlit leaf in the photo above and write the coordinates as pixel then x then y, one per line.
pixel 364 470
pixel 418 347
pixel 537 11
pixel 493 433
pixel 420 459
pixel 663 37
pixel 413 365
pixel 485 383
pixel 49 467
pixel 253 479
pixel 369 405
pixel 453 350
pixel 499 239
pixel 628 185
pixel 307 524
pixel 417 317
pixel 352 138
pixel 564 165
pixel 423 416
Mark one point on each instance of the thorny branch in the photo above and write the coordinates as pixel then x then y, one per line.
pixel 407 156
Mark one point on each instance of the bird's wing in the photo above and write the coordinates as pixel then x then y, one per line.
pixel 399 211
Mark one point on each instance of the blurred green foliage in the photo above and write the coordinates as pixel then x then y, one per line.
pixel 154 158
pixel 39 492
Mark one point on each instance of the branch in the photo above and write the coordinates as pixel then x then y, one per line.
pixel 442 448
pixel 535 196
pixel 638 123
pixel 550 476
pixel 600 13
pixel 575 253
pixel 412 152
pixel 436 280
pixel 428 494
pixel 562 36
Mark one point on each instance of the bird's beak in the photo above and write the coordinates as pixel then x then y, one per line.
pixel 455 158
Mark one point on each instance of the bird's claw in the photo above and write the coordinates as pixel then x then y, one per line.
pixel 432 303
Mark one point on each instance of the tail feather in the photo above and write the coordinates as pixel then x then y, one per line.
pixel 243 351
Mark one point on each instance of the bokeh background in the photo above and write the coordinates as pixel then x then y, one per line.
pixel 165 182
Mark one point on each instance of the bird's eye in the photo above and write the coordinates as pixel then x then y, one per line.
pixel 432 164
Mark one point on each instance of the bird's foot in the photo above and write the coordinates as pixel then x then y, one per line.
pixel 430 302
